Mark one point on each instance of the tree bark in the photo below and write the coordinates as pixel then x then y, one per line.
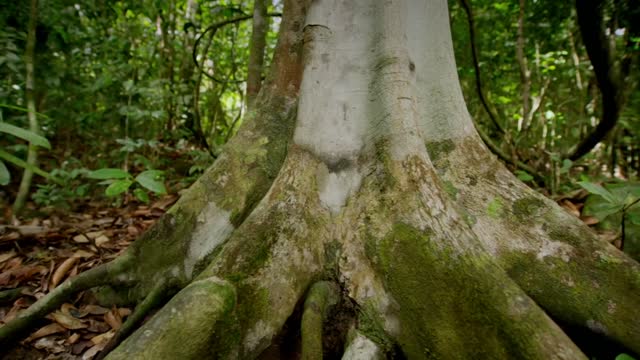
pixel 256 50
pixel 383 194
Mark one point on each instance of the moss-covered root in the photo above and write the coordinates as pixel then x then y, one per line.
pixel 185 327
pixel 598 289
pixel 452 299
pixel 8 296
pixel 360 347
pixel 321 297
pixel 101 275
pixel 155 298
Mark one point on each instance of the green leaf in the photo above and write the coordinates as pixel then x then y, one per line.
pixel 624 356
pixel 30 136
pixel 566 166
pixel 603 212
pixel 5 177
pixel 523 175
pixel 633 218
pixel 118 187
pixel 597 190
pixel 108 173
pixel 141 195
pixel 149 180
pixel 23 164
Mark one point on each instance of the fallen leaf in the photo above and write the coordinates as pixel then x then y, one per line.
pixel 92 352
pixel 49 344
pixel 103 338
pixel 132 230
pixel 95 309
pixel 113 319
pixel 97 326
pixel 47 330
pixel 94 234
pixel 104 221
pixel 589 220
pixel 68 321
pixel 83 254
pixel 62 270
pixel 101 240
pixel 124 312
pixel 81 239
pixel 7 256
pixel 73 338
pixel 77 348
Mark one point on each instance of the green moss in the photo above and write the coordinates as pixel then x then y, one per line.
pixel 450 189
pixel 446 299
pixel 495 209
pixel 580 290
pixel 439 149
pixel 527 207
pixel 371 325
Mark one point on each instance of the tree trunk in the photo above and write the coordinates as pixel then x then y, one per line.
pixel 381 216
pixel 256 50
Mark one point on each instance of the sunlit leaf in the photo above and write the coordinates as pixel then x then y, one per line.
pixel 30 136
pixel 523 175
pixel 108 173
pixel 597 190
pixel 118 187
pixel 150 180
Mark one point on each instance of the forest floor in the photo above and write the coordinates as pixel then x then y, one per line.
pixel 39 254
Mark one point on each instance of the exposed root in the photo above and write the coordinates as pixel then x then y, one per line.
pixel 185 327
pixel 155 298
pixel 101 275
pixel 8 296
pixel 321 297
pixel 551 254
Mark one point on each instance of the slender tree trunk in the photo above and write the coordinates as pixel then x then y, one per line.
pixel 359 190
pixel 32 154
pixel 256 49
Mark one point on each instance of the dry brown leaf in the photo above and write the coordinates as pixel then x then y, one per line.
pixel 97 326
pixel 101 240
pixel 83 254
pixel 103 338
pixel 104 221
pixel 124 312
pixel 73 338
pixel 62 270
pixel 589 220
pixel 49 344
pixel 570 207
pixel 7 256
pixel 93 351
pixel 68 321
pixel 47 330
pixel 132 230
pixel 95 309
pixel 113 319
pixel 67 308
pixel 81 239
pixel 94 234
pixel 79 347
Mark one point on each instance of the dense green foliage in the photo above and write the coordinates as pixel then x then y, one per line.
pixel 117 86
